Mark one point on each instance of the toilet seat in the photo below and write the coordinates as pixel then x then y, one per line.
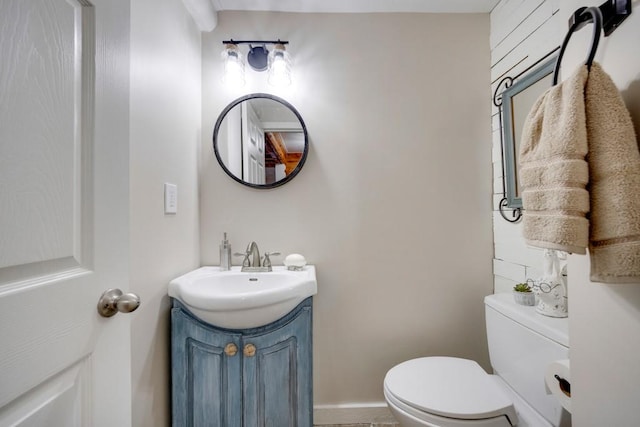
pixel 448 387
pixel 412 417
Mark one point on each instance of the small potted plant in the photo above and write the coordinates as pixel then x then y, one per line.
pixel 523 294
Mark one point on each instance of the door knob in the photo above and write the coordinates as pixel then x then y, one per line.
pixel 113 301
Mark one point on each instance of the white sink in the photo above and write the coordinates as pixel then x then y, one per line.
pixel 236 300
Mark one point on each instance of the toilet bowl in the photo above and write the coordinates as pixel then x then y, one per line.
pixel 447 392
pixel 454 392
pixel 471 396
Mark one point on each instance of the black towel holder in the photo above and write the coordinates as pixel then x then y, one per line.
pixel 608 16
pixel 596 18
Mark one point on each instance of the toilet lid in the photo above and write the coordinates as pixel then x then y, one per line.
pixel 448 386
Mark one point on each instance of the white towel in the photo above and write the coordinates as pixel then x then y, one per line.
pixel 580 132
pixel 614 183
pixel 553 169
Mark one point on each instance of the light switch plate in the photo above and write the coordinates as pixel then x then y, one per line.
pixel 170 198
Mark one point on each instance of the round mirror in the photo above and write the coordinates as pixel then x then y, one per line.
pixel 260 140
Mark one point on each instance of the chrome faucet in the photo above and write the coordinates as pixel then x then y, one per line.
pixel 252 262
pixel 254 254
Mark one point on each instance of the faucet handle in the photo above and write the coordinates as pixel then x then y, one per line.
pixel 245 261
pixel 267 261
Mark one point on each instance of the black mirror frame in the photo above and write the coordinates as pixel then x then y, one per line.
pixel 277 99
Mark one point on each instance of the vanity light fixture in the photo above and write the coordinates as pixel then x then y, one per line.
pixel 279 66
pixel 233 65
pixel 277 62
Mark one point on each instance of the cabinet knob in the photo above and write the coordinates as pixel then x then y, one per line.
pixel 249 350
pixel 231 349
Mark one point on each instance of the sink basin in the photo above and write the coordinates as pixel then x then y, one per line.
pixel 236 300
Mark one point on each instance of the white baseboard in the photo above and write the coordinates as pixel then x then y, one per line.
pixel 352 413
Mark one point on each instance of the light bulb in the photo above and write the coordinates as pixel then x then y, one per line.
pixel 233 66
pixel 279 66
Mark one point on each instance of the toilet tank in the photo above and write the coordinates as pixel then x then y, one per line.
pixel 521 345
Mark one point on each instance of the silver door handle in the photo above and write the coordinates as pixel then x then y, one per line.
pixel 113 301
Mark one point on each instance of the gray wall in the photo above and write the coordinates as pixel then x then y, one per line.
pixel 165 136
pixel 394 203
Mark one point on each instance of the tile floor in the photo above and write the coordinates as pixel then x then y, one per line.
pixel 354 417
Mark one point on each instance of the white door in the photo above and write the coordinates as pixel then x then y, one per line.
pixel 253 159
pixel 64 135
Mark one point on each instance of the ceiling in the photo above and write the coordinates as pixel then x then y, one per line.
pixel 204 12
pixel 358 6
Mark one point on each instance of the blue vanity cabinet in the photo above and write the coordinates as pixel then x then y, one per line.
pixel 277 373
pixel 267 382
pixel 205 386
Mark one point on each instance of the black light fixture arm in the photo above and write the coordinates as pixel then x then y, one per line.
pixel 232 41
pixel 258 55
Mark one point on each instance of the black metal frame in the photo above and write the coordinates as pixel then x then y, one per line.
pixel 232 41
pixel 613 13
pixel 257 56
pixel 608 16
pixel 303 158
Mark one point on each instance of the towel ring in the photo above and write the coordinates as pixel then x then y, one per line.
pixel 596 18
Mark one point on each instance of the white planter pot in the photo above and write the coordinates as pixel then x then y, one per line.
pixel 524 298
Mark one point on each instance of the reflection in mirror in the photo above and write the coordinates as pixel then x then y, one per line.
pixel 517 101
pixel 521 104
pixel 260 140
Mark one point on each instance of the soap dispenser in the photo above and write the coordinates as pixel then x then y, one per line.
pixel 225 254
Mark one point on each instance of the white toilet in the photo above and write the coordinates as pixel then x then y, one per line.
pixel 453 392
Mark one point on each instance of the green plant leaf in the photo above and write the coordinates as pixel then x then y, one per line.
pixel 522 287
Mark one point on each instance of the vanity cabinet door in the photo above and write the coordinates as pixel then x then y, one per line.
pixel 277 373
pixel 206 366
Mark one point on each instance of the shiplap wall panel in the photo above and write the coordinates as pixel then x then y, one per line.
pixel 509 270
pixel 507 15
pixel 529 25
pixel 522 32
pixel 510 247
pixel 497 185
pixel 37 141
pixel 496 158
pixel 496 149
pixel 528 51
pixel 495 123
pixel 536 44
pixel 502 284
